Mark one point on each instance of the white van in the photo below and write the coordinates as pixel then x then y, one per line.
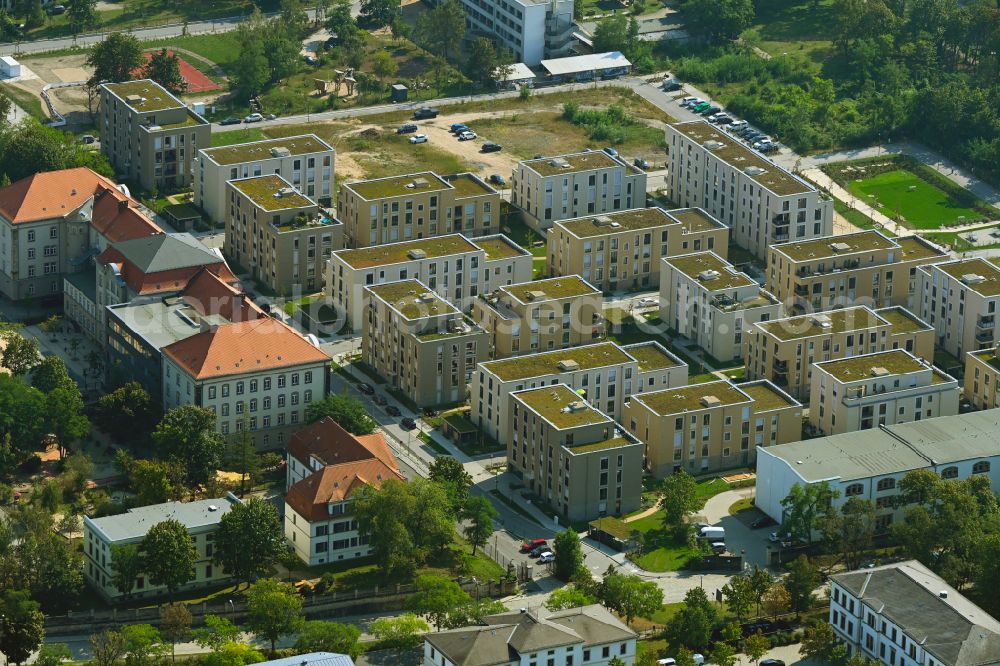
pixel 713 533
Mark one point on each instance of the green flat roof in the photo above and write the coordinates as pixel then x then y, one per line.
pixel 902 320
pixel 190 120
pixel 498 247
pixel 394 253
pixel 616 527
pixel 412 298
pixel 593 447
pixel 895 362
pixel 689 398
pixel 839 321
pixel 461 423
pixel 157 97
pixel 636 219
pixel 263 191
pixel 651 356
pixel 696 219
pixel 410 184
pixel 826 248
pixel 738 156
pixel 915 248
pixel 587 357
pixel 571 286
pixel 261 150
pixel 551 166
pixel 553 403
pixel 988 356
pixel 766 397
pixel 693 265
pixel 988 286
pixel 467 185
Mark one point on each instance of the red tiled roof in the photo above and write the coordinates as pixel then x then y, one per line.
pixel 162 281
pixel 50 194
pixel 330 443
pixel 117 218
pixel 251 346
pixel 210 294
pixel 334 483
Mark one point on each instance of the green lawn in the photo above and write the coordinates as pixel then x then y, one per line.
pixel 245 135
pixel 32 104
pixel 857 218
pixel 901 193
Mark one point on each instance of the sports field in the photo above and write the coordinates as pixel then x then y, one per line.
pixel 902 193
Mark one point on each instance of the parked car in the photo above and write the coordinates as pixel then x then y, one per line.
pixel 700 106
pixel 770 148
pixel 56 10
pixel 231 120
pixel 761 143
pixel 458 128
pixel 310 59
pixel 365 388
pixel 667 661
pixel 380 400
pixel 497 179
pixel 721 119
pixel 408 128
pixel 771 662
pixel 490 147
pixel 408 423
pixel 425 112
pixel 88 139
pixel 712 109
pixel 418 138
pixel 467 135
pixel 763 521
pixel 538 550
pixel 331 42
pixel 253 118
pixel 737 125
pixel 689 101
pixel 392 410
pixel 546 557
pixel 271 116
pixel 718 547
pixel 529 546
pixel 671 85
pixel 648 302
pixel 641 163
pixel 611 151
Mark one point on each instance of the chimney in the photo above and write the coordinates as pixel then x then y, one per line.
pixel 122 205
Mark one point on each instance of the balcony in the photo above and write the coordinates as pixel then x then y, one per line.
pixel 780 366
pixel 985 323
pixel 984 336
pixel 802 290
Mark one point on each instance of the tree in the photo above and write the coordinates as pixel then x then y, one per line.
pixel 569 596
pixel 143 644
pixel 739 596
pixel 678 497
pixel 321 636
pixel 482 60
pixel 379 13
pixel 250 72
pixel 761 581
pixel 233 654
pixel 437 597
pixel 723 654
pixel 168 555
pixel 274 609
pixel 756 646
pixel 569 555
pixel 53 654
pixel 187 436
pixel 345 410
pixel 51 374
pixel 82 14
pixel 65 417
pixel 819 642
pixel 217 632
pixel 107 647
pixel 400 632
pixel 479 515
pixel 114 59
pixel 718 20
pixel 127 413
pixel 614 33
pixel 806 507
pixel 127 563
pixel 153 482
pixel 175 625
pixel 20 354
pixel 441 29
pixel 857 528
pixel 776 600
pixel 249 539
pixel 340 22
pixel 294 19
pixel 23 628
pixel 615 661
pixel 802 579
pixel 22 421
pixel 451 474
pixel 383 66
pixel 28 147
pixel 164 67
pixel 692 625
pixel 630 596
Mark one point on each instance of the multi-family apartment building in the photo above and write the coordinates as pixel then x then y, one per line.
pixel 549 189
pixel 417 205
pixel 540 316
pixel 420 343
pixel 102 535
pixel 982 370
pixel 863 268
pixel 658 368
pixel 959 300
pixel 259 374
pixel 150 136
pixel 327 467
pixel 706 300
pixel 760 201
pixel 784 350
pixel 52 224
pixel 622 250
pixel 305 161
pixel 281 236
pixel 873 390
pixel 710 427
pixel 904 614
pixel 529 29
pixel 574 456
pixel 456 268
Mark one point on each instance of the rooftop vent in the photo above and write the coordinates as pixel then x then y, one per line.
pixel 425 297
pixel 712 145
pixel 821 320
pixel 559 163
pixel 135 99
pixel 212 507
pixel 419 184
pixel 710 401
pixel 536 295
pixel 879 371
pixel 603 221
pixel 568 365
pixel 417 254
pixel 280 151
pixel 972 278
pixel 840 247
pixel 576 406
pixel 708 275
pixel 754 171
pixel 285 192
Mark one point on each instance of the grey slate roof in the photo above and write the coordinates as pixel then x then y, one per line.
pixel 952 628
pixel 165 252
pixel 311 659
pixel 134 523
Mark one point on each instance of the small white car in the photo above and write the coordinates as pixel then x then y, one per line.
pixel 467 135
pixel 253 118
pixel 546 557
pixel 647 302
pixel 418 138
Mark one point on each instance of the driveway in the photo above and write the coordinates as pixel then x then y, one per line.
pixel 753 544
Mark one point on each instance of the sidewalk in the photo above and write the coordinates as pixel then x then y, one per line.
pixel 824 182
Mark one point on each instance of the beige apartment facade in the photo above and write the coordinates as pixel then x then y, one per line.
pixel 454 267
pixel 623 250
pixel 540 316
pixel 982 373
pixel 874 390
pixel 549 189
pixel 658 368
pixel 573 455
pixel 959 300
pixel 710 427
pixel 708 301
pixel 760 201
pixel 420 343
pixel 417 205
pixel 306 161
pixel 784 350
pixel 150 136
pixel 281 236
pixel 863 268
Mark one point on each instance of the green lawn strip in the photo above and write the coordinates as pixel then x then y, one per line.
pixel 902 194
pixel 430 441
pixel 221 48
pixel 514 505
pixel 30 102
pixel 741 505
pixel 291 306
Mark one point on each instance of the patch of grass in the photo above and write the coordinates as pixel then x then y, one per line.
pixel 661 550
pixel 739 506
pixel 857 218
pixel 221 48
pixel 245 135
pixel 901 194
pixel 538 267
pixel 709 488
pixel 429 441
pixel 30 102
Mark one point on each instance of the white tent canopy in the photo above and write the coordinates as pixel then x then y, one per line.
pixel 586 63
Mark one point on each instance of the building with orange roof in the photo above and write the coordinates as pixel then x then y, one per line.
pixel 327 467
pixel 259 374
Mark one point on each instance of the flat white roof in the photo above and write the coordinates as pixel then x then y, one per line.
pixel 519 72
pixel 8 60
pixel 586 63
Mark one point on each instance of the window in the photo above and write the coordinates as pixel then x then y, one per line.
pixel 854 489
pixel 981 467
pixel 949 473
pixel 886 484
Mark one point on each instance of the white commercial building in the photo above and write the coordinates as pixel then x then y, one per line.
pixel 587 67
pixel 531 29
